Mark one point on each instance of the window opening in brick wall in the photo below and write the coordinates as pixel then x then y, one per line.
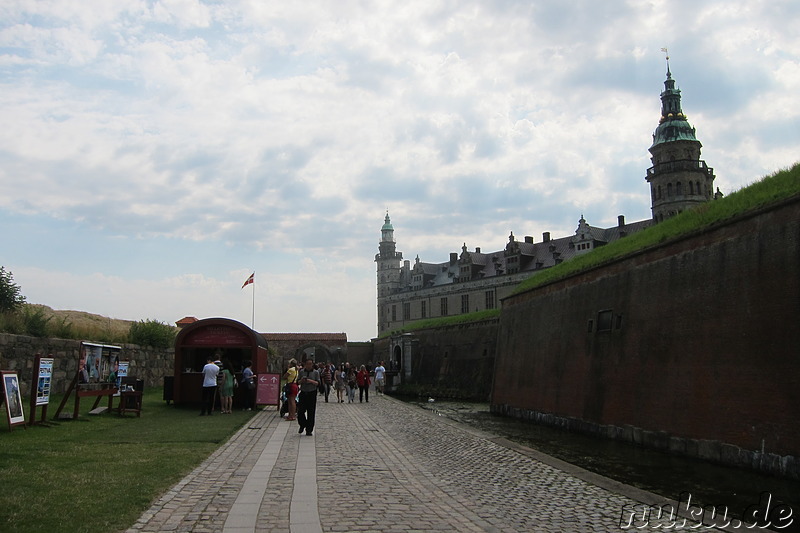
pixel 604 320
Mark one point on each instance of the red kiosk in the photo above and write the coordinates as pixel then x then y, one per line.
pixel 217 338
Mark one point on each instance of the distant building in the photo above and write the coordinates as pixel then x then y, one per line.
pixel 475 280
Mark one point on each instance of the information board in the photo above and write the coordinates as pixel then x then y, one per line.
pixel 45 378
pixel 268 389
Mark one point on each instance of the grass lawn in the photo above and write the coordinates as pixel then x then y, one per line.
pixel 99 473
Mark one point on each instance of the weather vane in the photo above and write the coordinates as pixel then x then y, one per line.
pixel 666 52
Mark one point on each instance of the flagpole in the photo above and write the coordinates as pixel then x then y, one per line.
pixel 253 317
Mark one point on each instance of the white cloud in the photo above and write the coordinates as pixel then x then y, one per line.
pixel 262 128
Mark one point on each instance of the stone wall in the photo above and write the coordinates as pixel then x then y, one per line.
pixel 448 362
pixel 690 346
pixel 17 352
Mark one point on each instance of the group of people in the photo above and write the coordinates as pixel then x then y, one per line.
pixel 304 384
pixel 219 378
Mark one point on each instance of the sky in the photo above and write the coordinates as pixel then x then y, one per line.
pixel 154 154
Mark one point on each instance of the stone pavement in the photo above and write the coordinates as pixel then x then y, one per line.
pixel 386 466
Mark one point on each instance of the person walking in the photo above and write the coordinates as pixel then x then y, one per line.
pixel 291 388
pixel 339 383
pixel 210 372
pixel 380 377
pixel 227 383
pixel 363 384
pixel 325 376
pixel 309 383
pixel 350 376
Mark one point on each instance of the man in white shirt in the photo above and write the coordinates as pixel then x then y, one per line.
pixel 210 372
pixel 380 377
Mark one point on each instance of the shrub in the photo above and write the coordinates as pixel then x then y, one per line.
pixel 152 333
pixel 35 321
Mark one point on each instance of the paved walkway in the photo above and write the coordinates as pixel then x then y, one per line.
pixel 386 466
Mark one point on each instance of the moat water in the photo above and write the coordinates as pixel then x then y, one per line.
pixel 651 470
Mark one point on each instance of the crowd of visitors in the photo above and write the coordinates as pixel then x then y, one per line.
pixel 304 383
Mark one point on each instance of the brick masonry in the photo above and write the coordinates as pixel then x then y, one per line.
pixel 700 353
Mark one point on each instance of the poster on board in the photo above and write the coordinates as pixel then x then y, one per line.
pixel 45 378
pixel 13 398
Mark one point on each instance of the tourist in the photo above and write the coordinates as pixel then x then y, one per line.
pixel 249 384
pixel 291 388
pixel 380 377
pixel 325 376
pixel 339 383
pixel 309 381
pixel 363 384
pixel 227 383
pixel 350 375
pixel 210 372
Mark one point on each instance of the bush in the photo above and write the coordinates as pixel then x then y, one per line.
pixel 35 321
pixel 152 333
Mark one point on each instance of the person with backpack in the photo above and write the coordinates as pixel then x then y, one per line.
pixel 291 388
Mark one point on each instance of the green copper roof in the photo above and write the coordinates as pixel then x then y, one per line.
pixel 673 125
pixel 674 129
pixel 387 224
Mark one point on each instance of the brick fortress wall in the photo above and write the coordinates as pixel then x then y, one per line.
pixel 699 356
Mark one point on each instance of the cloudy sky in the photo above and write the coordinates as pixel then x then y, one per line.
pixel 155 153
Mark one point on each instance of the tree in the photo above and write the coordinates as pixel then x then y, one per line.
pixel 10 297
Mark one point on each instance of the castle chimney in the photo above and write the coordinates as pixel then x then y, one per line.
pixel 453 257
pixel 528 239
pixel 546 236
pixel 621 220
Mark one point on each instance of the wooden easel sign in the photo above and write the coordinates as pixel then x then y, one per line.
pixel 13 399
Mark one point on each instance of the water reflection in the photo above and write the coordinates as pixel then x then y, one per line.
pixel 658 472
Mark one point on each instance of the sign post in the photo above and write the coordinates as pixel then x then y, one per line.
pixel 40 387
pixel 268 389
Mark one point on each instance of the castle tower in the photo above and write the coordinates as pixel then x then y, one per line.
pixel 388 260
pixel 678 179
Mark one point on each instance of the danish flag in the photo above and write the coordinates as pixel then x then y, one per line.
pixel 251 279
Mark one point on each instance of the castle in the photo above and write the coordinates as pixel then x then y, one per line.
pixel 476 281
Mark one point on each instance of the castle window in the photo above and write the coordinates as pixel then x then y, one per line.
pixel 423 309
pixel 678 188
pixel 407 311
pixel 394 313
pixel 669 189
pixel 443 307
pixel 691 188
pixel 604 320
pixel 465 303
pixel 659 192
pixel 489 299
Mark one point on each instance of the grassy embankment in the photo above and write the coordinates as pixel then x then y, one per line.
pixel 771 189
pixel 99 473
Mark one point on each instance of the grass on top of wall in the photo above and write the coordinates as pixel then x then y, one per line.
pixel 445 321
pixel 779 186
pixel 100 473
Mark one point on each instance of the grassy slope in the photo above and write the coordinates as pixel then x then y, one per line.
pixel 782 185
